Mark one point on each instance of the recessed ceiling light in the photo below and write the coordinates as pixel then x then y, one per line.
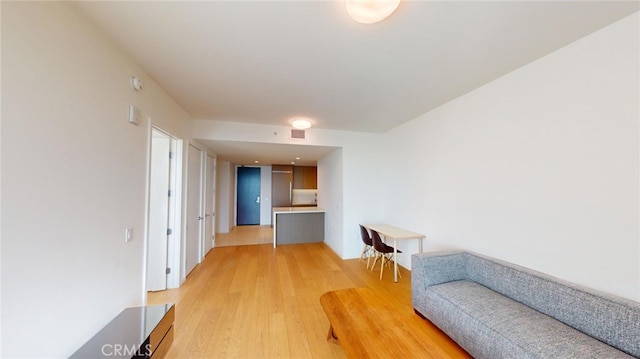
pixel 293 163
pixel 297 158
pixel 255 161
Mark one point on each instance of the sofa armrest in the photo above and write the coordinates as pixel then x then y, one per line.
pixel 439 267
pixel 433 268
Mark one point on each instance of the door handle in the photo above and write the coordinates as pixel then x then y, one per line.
pixel 258 199
pixel 290 190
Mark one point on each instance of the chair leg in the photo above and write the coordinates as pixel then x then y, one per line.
pixel 365 252
pixel 369 254
pixel 384 260
pixel 374 261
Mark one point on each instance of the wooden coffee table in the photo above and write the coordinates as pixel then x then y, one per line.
pixel 368 325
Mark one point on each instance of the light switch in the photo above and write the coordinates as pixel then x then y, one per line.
pixel 128 234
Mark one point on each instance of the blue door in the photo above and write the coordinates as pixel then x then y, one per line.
pixel 248 196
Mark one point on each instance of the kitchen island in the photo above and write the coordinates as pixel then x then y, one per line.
pixel 297 225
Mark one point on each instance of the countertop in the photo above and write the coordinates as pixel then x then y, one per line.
pixel 297 209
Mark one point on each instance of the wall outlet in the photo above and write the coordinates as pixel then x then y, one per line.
pixel 128 234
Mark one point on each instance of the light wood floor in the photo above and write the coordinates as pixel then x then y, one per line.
pixel 245 235
pixel 260 302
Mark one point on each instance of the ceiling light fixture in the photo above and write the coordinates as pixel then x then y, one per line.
pixel 371 11
pixel 301 124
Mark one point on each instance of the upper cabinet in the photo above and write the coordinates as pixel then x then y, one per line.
pixel 305 177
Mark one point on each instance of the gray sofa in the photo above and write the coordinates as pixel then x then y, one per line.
pixel 494 309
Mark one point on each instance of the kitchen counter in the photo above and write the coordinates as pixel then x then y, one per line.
pixel 298 209
pixel 298 225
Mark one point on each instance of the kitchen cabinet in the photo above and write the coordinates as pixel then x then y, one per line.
pixel 297 225
pixel 305 177
pixel 281 185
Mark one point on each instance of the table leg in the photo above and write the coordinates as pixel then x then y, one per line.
pixel 331 337
pixel 274 230
pixel 420 244
pixel 395 260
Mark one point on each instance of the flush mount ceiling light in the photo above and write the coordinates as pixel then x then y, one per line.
pixel 301 123
pixel 371 11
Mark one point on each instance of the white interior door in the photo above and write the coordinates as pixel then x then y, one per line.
pixel 158 211
pixel 175 215
pixel 209 196
pixel 213 202
pixel 194 209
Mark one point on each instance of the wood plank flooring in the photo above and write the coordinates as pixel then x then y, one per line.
pixel 245 235
pixel 257 301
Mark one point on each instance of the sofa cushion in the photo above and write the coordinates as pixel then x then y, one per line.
pixel 613 320
pixel 490 325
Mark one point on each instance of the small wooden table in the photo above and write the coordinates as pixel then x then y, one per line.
pixel 369 325
pixel 392 232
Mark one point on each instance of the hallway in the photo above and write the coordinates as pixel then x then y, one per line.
pixel 245 235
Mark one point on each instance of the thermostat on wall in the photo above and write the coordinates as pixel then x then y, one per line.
pixel 136 83
pixel 134 115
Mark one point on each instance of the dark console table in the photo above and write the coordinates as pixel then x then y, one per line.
pixel 139 332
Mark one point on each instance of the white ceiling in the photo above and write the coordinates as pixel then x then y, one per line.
pixel 267 153
pixel 265 61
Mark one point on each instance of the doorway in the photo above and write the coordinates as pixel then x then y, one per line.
pixel 163 220
pixel 193 242
pixel 248 196
pixel 209 203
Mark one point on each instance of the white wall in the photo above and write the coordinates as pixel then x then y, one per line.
pixel 363 189
pixel 224 205
pixel 540 167
pixel 330 197
pixel 265 195
pixel 73 178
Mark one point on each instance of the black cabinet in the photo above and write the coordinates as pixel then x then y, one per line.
pixel 139 332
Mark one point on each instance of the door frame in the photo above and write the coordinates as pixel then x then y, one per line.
pixel 174 210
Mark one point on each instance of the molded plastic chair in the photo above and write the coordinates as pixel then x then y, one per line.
pixel 368 250
pixel 383 251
